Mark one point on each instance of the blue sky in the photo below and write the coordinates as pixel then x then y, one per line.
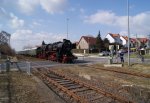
pixel 31 21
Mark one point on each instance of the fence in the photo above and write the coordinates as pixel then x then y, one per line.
pixel 4 67
pixel 7 66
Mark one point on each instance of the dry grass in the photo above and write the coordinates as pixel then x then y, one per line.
pixel 24 88
pixel 95 73
pixel 21 57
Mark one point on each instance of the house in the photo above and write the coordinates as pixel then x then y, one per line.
pixel 134 42
pixel 148 44
pixel 114 38
pixel 143 41
pixel 138 42
pixel 124 40
pixel 86 42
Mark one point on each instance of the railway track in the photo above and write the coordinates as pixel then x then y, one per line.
pixel 123 72
pixel 76 91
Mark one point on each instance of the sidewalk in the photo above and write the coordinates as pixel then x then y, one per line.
pixel 90 55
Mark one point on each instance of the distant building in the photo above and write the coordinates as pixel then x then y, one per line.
pixel 114 38
pixel 143 41
pixel 86 42
pixel 134 42
pixel 124 40
pixel 148 44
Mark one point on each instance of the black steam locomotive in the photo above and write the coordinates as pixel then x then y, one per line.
pixel 58 51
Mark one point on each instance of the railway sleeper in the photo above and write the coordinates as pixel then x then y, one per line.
pixel 69 84
pixel 59 79
pixel 74 87
pixel 65 82
pixel 54 77
pixel 101 91
pixel 65 90
pixel 80 89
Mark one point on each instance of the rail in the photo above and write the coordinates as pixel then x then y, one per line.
pixel 72 86
pixel 123 72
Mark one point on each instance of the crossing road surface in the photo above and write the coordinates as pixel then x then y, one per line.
pixel 80 61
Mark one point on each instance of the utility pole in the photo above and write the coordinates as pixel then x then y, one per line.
pixel 136 42
pixel 128 34
pixel 149 41
pixel 88 45
pixel 67 27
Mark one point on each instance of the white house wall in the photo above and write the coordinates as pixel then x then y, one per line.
pixel 83 44
pixel 111 40
pixel 124 42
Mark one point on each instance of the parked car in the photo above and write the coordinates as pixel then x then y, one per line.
pixel 104 53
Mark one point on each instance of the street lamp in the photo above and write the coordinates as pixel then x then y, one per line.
pixel 128 34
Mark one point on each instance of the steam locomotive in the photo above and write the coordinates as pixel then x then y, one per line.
pixel 58 51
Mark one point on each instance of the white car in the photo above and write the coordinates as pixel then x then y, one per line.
pixel 104 53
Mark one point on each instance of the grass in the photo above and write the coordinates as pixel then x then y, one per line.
pixel 135 56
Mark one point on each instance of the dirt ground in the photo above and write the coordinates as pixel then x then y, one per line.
pixel 137 88
pixel 26 89
pixel 29 89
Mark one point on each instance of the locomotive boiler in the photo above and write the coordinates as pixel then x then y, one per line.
pixel 58 51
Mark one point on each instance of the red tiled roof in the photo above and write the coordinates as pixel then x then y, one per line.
pixel 89 39
pixel 133 40
pixel 140 39
pixel 125 37
pixel 114 35
pixel 143 39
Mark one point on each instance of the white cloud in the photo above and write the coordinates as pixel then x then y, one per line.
pixel 35 24
pixel 15 22
pixel 27 6
pixel 102 17
pixel 50 6
pixel 24 37
pixel 12 20
pixel 138 24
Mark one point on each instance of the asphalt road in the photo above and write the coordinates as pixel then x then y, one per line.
pixel 104 59
pixel 80 61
